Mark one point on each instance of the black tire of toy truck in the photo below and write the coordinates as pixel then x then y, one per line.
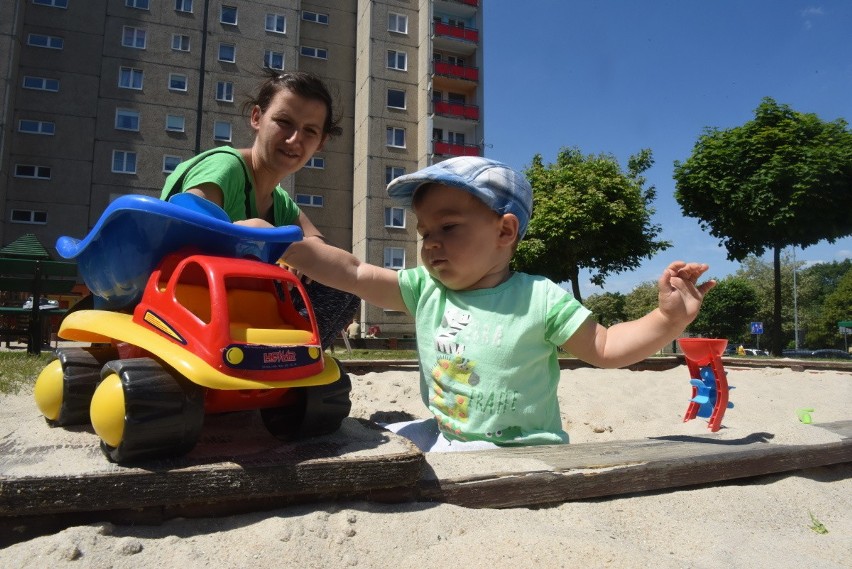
pixel 81 374
pixel 319 412
pixel 163 411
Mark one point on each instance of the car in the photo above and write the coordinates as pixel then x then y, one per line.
pixel 43 304
pixel 797 353
pixel 832 354
pixel 756 352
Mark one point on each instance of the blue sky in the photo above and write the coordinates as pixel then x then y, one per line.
pixel 617 76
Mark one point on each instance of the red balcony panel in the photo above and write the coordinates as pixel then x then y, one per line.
pixel 458 71
pixel 470 2
pixel 465 34
pixel 448 149
pixel 448 109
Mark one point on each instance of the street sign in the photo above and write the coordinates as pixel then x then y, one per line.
pixel 757 327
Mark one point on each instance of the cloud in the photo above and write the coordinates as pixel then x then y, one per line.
pixel 811 12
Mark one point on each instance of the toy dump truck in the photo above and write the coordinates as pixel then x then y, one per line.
pixel 199 334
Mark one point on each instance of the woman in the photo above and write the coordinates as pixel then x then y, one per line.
pixel 292 118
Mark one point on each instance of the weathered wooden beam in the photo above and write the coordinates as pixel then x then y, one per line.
pixel 533 476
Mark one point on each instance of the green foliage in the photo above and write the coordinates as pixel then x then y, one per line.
pixel 588 213
pixel 727 310
pixel 644 298
pixel 608 307
pixel 784 178
pixel 837 307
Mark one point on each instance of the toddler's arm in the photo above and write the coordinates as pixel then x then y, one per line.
pixel 344 271
pixel 680 297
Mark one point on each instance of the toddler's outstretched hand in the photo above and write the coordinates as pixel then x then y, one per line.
pixel 680 295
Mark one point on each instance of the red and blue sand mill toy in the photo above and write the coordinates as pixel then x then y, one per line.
pixel 709 380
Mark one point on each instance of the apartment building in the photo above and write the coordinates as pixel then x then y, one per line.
pixel 105 97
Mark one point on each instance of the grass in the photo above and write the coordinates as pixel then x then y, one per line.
pixel 342 354
pixel 20 369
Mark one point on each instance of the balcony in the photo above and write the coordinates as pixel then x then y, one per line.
pixel 456 110
pixel 442 148
pixel 464 34
pixel 474 3
pixel 446 69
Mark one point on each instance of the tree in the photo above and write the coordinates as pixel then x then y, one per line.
pixel 644 298
pixel 834 303
pixel 607 307
pixel 590 214
pixel 727 310
pixel 784 178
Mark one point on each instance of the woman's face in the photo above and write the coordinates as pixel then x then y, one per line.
pixel 289 132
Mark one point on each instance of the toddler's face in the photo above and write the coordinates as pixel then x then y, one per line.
pixel 460 238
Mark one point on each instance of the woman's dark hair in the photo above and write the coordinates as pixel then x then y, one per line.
pixel 301 83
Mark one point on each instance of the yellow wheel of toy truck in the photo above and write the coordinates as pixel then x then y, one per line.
pixel 142 410
pixel 319 411
pixel 65 386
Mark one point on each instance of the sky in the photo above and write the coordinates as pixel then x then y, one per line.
pixel 617 76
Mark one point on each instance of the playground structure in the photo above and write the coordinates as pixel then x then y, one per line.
pixel 192 316
pixel 708 379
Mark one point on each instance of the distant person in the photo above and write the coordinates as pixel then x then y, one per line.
pixel 354 329
pixel 487 337
pixel 292 118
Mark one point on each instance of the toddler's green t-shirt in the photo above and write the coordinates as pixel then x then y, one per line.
pixel 488 360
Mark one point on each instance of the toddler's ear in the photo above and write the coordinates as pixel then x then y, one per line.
pixel 509 228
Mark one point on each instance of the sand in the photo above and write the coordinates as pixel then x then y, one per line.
pixel 770 521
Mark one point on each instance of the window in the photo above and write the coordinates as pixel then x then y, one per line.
pixel 394 217
pixel 315 162
pixel 396 137
pixel 273 59
pixel 397 23
pixel 396 99
pixel 397 60
pixel 393 172
pixel 276 23
pixel 457 98
pixel 52 3
pixel 28 216
pixel 394 258
pixel 126 119
pixel 222 131
pixel 32 172
pixel 41 83
pixel 180 42
pixel 138 4
pixel 315 17
pixel 36 127
pixel 455 137
pixel 123 162
pixel 134 37
pixel 170 163
pixel 130 78
pixel 227 52
pixel 309 200
pixel 175 123
pixel 228 15
pixel 316 52
pixel 183 5
pixel 177 82
pixel 225 91
pixel 42 40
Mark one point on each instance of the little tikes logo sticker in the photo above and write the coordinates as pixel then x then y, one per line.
pixel 279 356
pixel 242 356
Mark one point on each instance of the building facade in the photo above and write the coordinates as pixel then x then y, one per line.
pixel 103 98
